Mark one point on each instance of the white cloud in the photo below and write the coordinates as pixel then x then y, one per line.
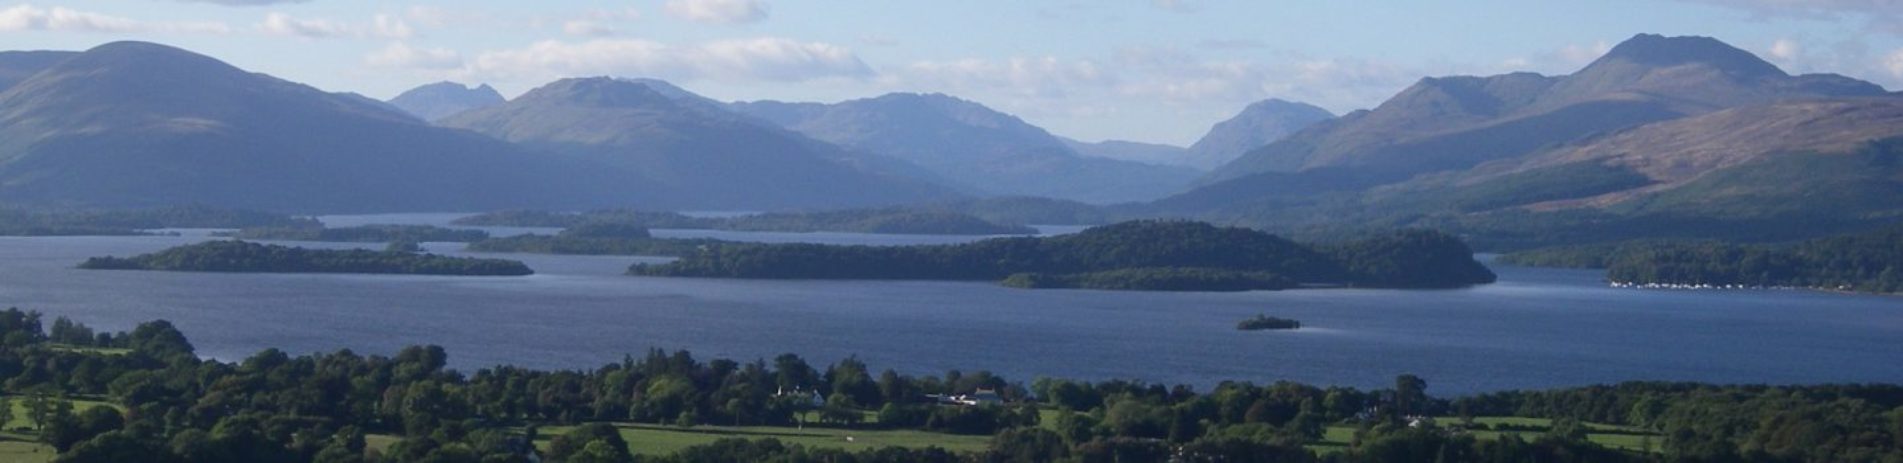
pixel 27 17
pixel 1046 77
pixel 759 59
pixel 380 27
pixel 1784 50
pixel 401 55
pixel 1894 63
pixel 718 11
pixel 586 28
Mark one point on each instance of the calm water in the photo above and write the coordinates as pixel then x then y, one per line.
pixel 1537 328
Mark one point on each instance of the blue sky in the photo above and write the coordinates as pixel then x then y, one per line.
pixel 1146 70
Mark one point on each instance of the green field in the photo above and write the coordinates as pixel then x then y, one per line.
pixel 21 448
pixel 648 439
pixel 1336 438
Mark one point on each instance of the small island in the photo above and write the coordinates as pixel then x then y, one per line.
pixel 1138 255
pixel 362 234
pixel 246 257
pixel 897 221
pixel 597 238
pixel 17 221
pixel 1265 322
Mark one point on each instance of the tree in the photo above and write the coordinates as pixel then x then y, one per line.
pixel 1410 393
pixel 116 447
pixel 63 432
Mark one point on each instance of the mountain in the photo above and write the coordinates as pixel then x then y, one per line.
pixel 1662 137
pixel 974 146
pixel 1257 125
pixel 443 99
pixel 1147 153
pixel 705 155
pixel 1454 123
pixel 17 66
pixel 131 124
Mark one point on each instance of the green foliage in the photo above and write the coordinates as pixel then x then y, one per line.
pixel 318 408
pixel 542 244
pixel 1155 279
pixel 1265 322
pixel 1871 262
pixel 40 222
pixel 1130 254
pixel 364 234
pixel 240 256
pixel 914 221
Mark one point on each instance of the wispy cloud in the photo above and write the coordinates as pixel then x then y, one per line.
pixel 402 55
pixel 27 17
pixel 718 11
pixel 740 60
pixel 380 27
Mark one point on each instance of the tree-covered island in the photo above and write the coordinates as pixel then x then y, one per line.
pixel 1148 254
pixel 245 257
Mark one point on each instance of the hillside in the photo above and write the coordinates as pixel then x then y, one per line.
pixel 17 66
pixel 1256 126
pixel 133 124
pixel 1147 153
pixel 443 99
pixel 1454 123
pixel 705 157
pixel 973 146
pixel 1662 138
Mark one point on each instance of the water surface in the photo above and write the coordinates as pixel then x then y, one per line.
pixel 1536 328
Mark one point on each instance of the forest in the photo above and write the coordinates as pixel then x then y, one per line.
pixel 901 221
pixel 362 234
pixel 1406 259
pixel 1866 262
pixel 154 400
pixel 20 221
pixel 597 238
pixel 247 257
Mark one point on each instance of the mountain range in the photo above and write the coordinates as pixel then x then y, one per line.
pixel 705 157
pixel 973 146
pixel 1660 136
pixel 132 124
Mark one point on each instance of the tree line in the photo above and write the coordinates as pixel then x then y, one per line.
pixel 241 256
pixel 1228 256
pixel 168 405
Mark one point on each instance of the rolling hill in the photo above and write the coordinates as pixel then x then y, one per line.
pixel 704 156
pixel 973 146
pixel 133 124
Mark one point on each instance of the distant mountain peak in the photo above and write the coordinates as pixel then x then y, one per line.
pixel 443 99
pixel 1662 51
pixel 600 92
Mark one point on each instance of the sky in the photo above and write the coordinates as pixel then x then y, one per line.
pixel 1158 71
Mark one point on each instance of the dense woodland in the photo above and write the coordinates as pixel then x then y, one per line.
pixel 1410 259
pixel 167 405
pixel 57 222
pixel 597 238
pixel 363 234
pixel 240 256
pixel 1870 262
pixel 902 221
